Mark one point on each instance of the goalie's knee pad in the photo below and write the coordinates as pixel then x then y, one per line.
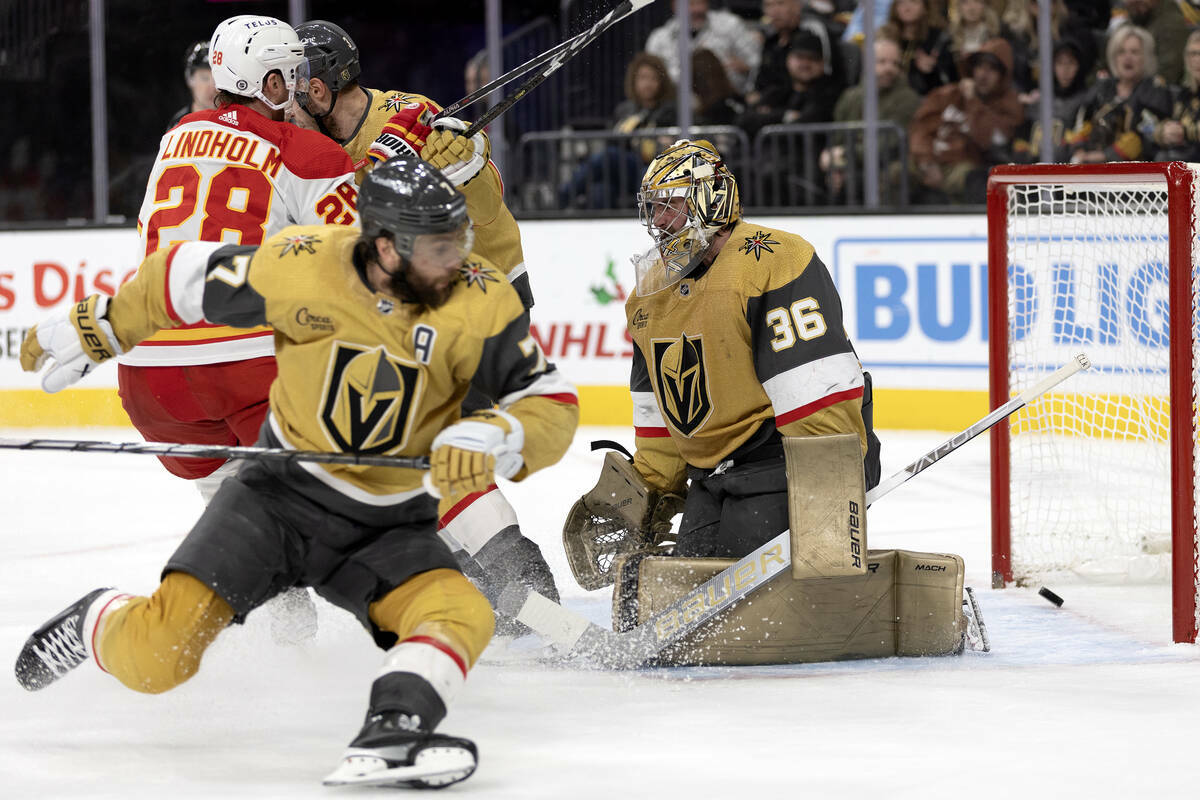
pixel 906 603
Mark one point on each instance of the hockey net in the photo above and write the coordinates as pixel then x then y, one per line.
pixel 1096 482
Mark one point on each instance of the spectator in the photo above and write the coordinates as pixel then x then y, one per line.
pixel 1178 138
pixel 784 18
pixel 924 46
pixel 717 102
pixel 972 22
pixel 962 129
pixel 809 97
pixel 1070 92
pixel 1167 28
pixel 722 32
pixel 897 103
pixel 1020 20
pixel 609 178
pixel 1117 120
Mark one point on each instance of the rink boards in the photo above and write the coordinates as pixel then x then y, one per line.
pixel 913 289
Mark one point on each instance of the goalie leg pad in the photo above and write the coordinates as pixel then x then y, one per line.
pixel 826 505
pixel 906 603
pixel 929 595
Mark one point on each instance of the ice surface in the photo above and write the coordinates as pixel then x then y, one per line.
pixel 1090 700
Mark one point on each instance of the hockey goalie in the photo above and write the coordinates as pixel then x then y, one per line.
pixel 752 415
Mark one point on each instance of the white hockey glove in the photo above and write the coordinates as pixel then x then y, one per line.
pixel 460 159
pixel 467 456
pixel 76 340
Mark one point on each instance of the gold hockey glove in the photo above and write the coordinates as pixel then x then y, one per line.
pixel 75 340
pixel 467 455
pixel 458 157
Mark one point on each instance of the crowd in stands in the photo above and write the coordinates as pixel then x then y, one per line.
pixel 961 77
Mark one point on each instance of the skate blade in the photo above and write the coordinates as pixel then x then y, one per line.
pixel 433 766
pixel 977 636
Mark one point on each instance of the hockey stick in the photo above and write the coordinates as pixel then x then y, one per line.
pixel 589 641
pixel 215 451
pixel 533 63
pixel 552 65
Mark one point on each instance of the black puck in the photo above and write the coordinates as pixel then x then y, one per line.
pixel 1051 596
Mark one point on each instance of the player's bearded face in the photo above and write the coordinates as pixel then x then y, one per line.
pixel 433 269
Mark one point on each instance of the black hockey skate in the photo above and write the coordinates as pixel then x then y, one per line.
pixel 57 647
pixel 391 750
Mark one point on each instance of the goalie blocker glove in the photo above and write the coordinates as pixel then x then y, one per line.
pixel 75 341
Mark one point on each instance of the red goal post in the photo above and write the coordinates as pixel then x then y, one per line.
pixel 1101 476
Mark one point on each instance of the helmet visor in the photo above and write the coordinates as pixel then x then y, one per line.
pixel 444 247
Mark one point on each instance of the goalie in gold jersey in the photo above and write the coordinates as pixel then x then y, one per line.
pixel 379 335
pixel 738 341
pixel 372 126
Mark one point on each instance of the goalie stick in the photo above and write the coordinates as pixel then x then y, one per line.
pixel 589 641
pixel 215 451
pixel 533 63
pixel 570 49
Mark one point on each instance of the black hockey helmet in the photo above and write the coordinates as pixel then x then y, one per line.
pixel 332 55
pixel 196 58
pixel 408 197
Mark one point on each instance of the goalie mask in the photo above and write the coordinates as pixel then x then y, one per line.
pixel 246 49
pixel 687 196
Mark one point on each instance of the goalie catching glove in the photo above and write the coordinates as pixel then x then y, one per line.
pixel 467 456
pixel 442 145
pixel 621 514
pixel 75 340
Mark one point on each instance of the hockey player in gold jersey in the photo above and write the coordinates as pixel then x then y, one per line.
pixel 379 333
pixel 373 126
pixel 738 341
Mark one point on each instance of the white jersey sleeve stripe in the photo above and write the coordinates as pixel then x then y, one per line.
pixel 646 413
pixel 808 383
pixel 548 383
pixel 185 279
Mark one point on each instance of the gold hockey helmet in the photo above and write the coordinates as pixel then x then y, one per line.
pixel 687 195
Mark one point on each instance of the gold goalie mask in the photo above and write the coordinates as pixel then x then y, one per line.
pixel 687 195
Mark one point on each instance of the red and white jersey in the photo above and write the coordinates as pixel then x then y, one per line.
pixel 233 175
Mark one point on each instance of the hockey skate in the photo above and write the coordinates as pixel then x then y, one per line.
pixel 58 647
pixel 974 631
pixel 391 751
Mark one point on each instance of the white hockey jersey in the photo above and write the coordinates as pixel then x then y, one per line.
pixel 233 175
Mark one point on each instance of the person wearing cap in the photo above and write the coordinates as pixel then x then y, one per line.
pixel 783 19
pixel 961 129
pixel 809 95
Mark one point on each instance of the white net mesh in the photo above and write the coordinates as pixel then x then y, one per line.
pixel 1090 475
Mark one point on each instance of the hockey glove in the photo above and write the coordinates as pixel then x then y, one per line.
pixel 75 340
pixel 467 456
pixel 404 134
pixel 458 157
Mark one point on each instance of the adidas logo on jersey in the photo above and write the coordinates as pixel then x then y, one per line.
pixel 229 117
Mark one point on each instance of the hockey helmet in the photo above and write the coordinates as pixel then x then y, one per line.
pixel 408 197
pixel 331 54
pixel 196 58
pixel 688 194
pixel 247 48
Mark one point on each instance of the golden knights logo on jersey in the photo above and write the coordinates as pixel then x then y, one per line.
pixel 682 382
pixel 369 397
